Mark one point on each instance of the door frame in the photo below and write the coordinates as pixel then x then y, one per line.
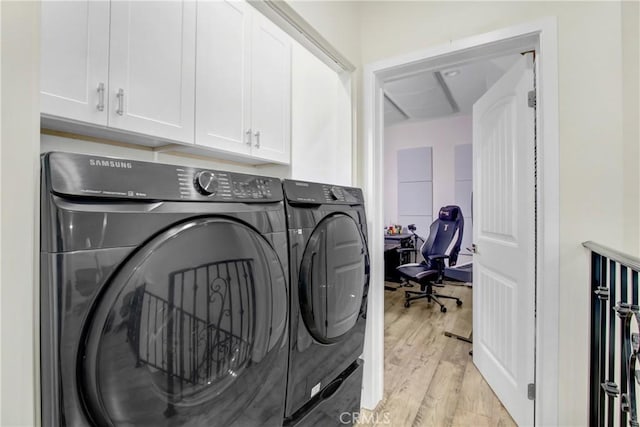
pixel 541 36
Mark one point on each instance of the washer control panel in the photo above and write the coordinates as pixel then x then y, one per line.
pixel 128 179
pixel 221 185
pixel 312 192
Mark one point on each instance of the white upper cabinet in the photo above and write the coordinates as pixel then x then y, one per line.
pixel 223 68
pixel 270 91
pixel 213 73
pixel 74 60
pixel 243 82
pixel 152 68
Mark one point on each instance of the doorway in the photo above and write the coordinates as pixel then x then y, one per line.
pixel 539 36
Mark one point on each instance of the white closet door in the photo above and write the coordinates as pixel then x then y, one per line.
pixel 152 68
pixel 223 75
pixel 271 91
pixel 74 54
pixel 503 267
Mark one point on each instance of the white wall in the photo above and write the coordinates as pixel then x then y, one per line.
pixel 19 168
pixel 631 125
pixel 339 23
pixel 321 146
pixel 591 146
pixel 441 134
pixel 2 100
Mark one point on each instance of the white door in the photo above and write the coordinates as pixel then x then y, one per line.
pixel 504 219
pixel 74 54
pixel 270 91
pixel 223 75
pixel 152 68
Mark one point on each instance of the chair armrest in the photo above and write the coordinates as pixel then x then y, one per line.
pixel 411 264
pixel 438 262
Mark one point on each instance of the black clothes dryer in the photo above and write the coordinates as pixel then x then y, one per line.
pixel 164 295
pixel 329 276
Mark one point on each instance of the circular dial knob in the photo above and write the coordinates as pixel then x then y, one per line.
pixel 206 183
pixel 336 193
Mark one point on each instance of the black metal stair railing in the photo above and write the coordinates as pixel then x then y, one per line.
pixel 614 337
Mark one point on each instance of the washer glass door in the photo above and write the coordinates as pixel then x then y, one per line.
pixel 333 278
pixel 189 330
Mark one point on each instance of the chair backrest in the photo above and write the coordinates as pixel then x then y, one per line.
pixel 445 234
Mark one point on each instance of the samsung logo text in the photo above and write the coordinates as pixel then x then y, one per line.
pixel 110 163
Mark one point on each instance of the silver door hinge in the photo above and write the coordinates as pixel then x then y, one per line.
pixel 531 98
pixel 531 391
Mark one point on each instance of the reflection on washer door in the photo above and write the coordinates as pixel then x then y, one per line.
pixel 191 333
pixel 199 336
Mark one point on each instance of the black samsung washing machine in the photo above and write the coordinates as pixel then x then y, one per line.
pixel 329 276
pixel 164 295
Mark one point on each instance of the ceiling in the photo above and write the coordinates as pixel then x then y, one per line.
pixel 439 93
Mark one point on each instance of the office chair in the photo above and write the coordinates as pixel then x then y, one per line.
pixel 443 243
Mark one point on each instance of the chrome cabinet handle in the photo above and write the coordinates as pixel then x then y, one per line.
pixel 120 96
pixel 247 138
pixel 100 105
pixel 257 135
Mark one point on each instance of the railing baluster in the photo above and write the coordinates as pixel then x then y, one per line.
pixel 602 312
pixel 624 297
pixel 612 340
pixel 596 391
pixel 613 345
pixel 634 287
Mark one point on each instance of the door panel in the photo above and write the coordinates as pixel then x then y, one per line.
pixel 271 91
pixel 499 186
pixel 223 68
pixel 152 68
pixel 504 214
pixel 333 278
pixel 74 56
pixel 346 265
pixel 189 330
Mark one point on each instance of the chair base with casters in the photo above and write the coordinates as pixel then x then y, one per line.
pixel 426 291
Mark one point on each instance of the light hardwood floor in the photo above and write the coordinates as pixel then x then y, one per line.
pixel 430 379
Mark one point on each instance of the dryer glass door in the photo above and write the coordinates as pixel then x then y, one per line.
pixel 189 330
pixel 333 278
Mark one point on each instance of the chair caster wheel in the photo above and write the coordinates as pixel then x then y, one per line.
pixel 407 304
pixel 458 303
pixel 443 309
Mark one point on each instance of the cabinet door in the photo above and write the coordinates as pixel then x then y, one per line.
pixel 152 68
pixel 222 76
pixel 270 91
pixel 74 54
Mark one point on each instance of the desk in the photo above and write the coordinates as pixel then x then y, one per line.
pixel 397 237
pixel 393 258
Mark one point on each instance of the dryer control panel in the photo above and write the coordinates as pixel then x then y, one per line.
pixel 318 193
pixel 92 176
